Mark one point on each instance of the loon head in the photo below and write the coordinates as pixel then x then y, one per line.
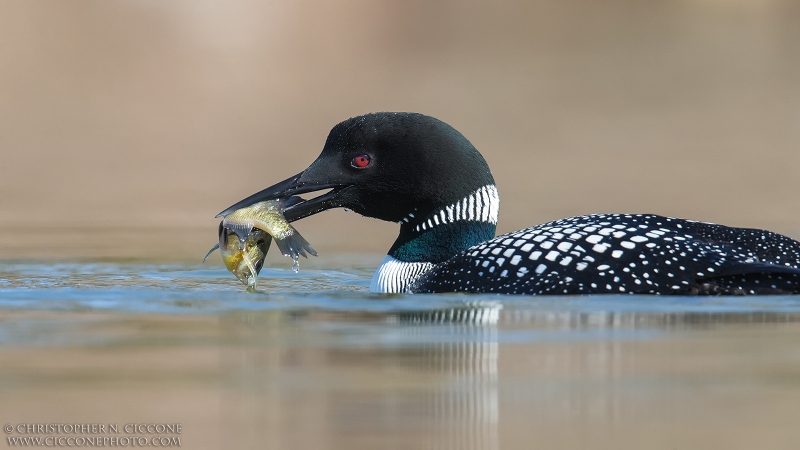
pixel 406 168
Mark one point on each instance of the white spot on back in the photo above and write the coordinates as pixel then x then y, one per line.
pixel 594 239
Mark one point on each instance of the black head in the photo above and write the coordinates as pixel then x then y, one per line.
pixel 385 165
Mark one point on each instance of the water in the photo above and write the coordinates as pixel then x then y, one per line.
pixel 316 361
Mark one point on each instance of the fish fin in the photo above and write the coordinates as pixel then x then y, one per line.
pixel 253 281
pixel 216 246
pixel 264 247
pixel 240 229
pixel 295 245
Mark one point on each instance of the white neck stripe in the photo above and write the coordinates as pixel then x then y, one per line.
pixel 394 276
pixel 483 205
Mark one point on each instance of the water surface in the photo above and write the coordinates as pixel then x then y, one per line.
pixel 316 361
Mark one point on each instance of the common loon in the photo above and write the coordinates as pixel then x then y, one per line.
pixel 421 173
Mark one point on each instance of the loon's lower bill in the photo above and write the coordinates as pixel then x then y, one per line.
pixel 424 175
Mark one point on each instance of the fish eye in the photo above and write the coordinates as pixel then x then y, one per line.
pixel 360 161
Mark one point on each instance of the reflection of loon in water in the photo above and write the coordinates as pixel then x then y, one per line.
pixel 475 313
pixel 630 320
pixel 465 349
pixel 462 343
pixel 492 313
pixel 425 380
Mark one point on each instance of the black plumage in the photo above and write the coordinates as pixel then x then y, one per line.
pixel 623 253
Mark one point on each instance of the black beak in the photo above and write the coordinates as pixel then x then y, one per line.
pixel 290 187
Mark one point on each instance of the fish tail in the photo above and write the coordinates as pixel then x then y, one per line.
pixel 294 245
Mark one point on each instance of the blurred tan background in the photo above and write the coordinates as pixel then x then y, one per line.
pixel 125 126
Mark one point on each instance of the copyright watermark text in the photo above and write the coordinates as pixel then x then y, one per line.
pixel 93 435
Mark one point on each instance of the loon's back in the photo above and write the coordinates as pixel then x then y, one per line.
pixel 635 254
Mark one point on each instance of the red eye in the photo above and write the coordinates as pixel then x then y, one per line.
pixel 360 161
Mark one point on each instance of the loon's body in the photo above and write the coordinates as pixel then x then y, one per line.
pixel 423 174
pixel 623 253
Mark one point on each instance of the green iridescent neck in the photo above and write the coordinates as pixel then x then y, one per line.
pixel 440 242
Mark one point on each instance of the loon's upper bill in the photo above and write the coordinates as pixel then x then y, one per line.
pixel 419 172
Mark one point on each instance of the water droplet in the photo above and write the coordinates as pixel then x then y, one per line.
pixel 296 265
